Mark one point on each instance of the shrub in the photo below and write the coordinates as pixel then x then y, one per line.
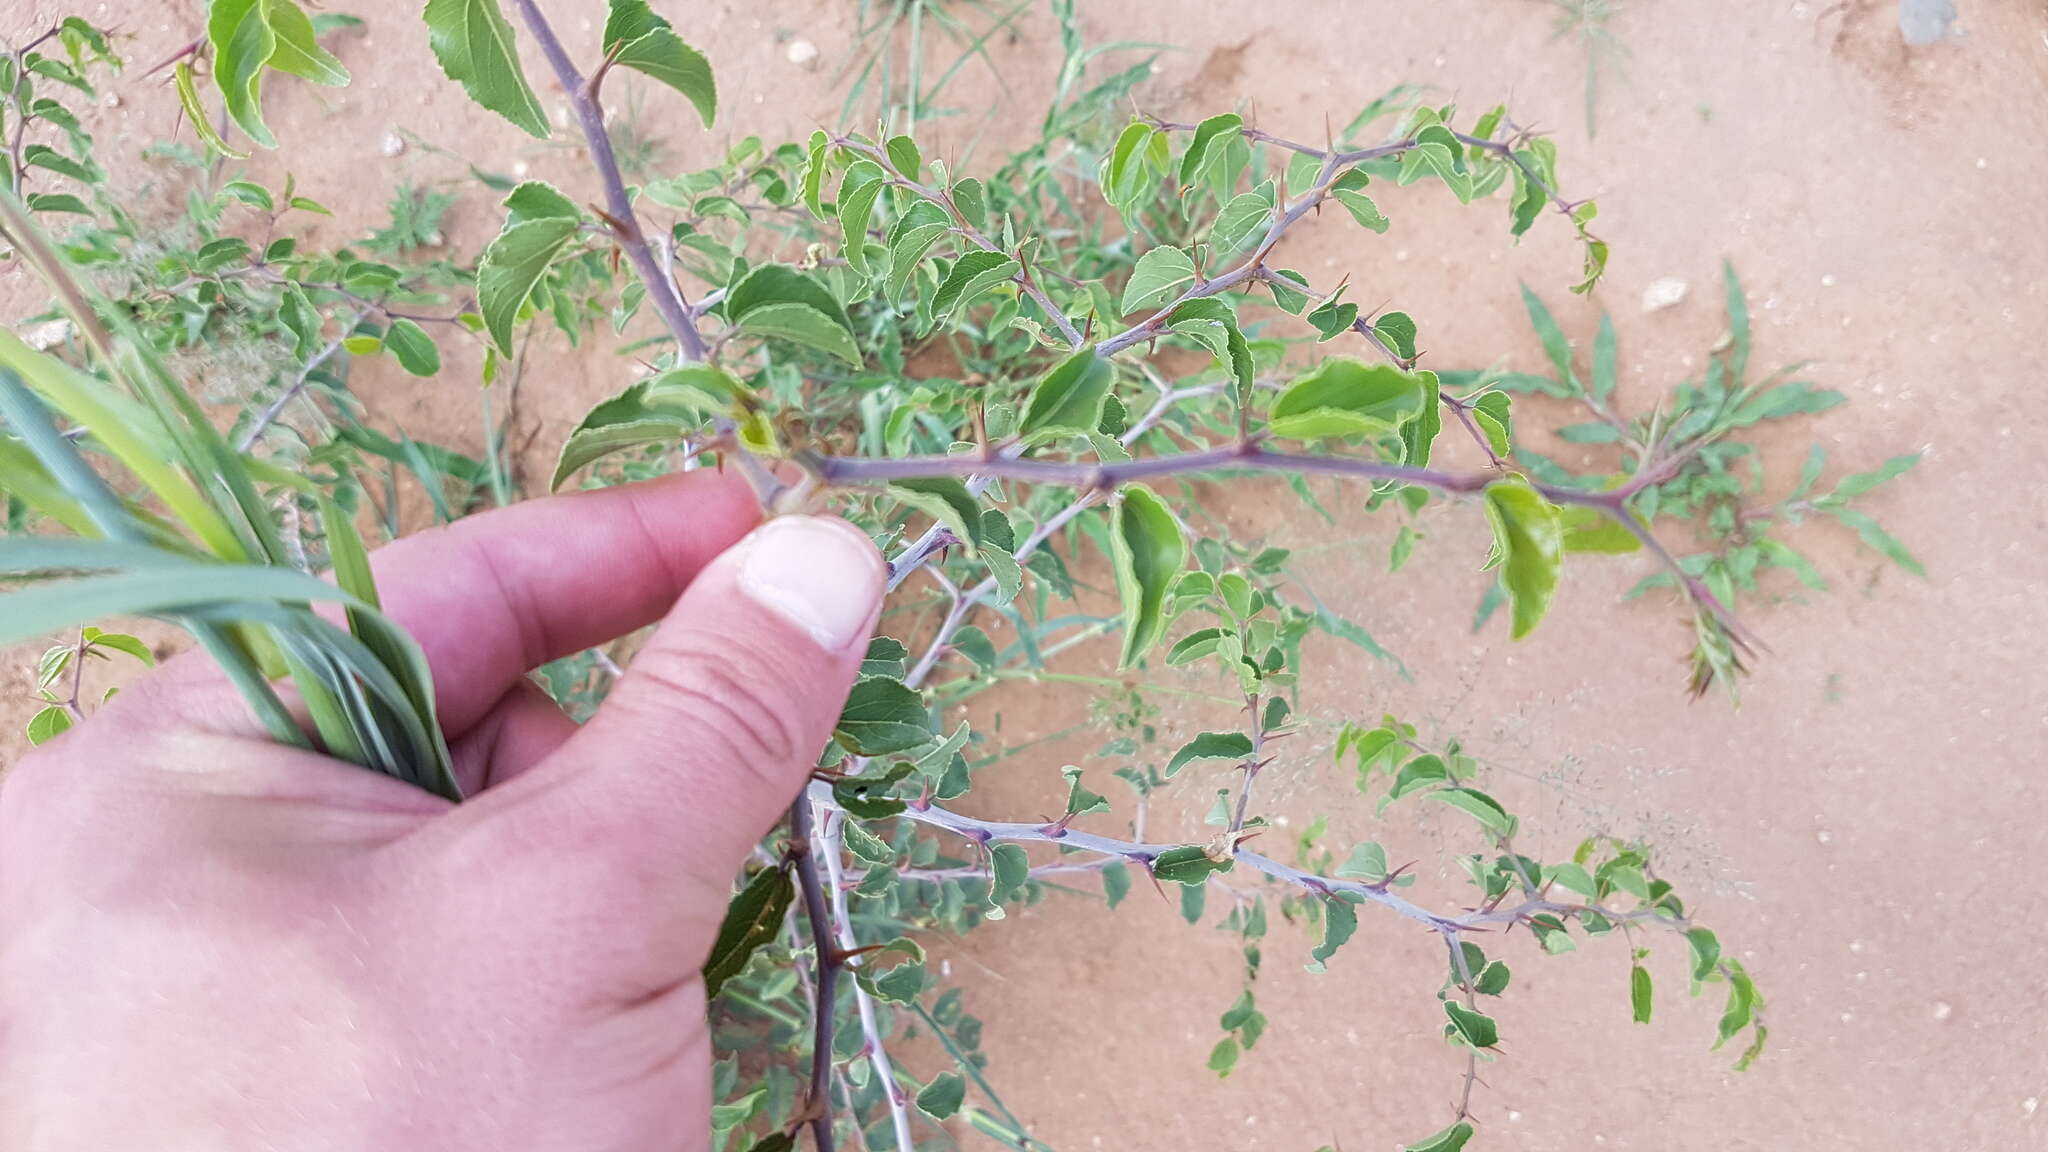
pixel 1066 291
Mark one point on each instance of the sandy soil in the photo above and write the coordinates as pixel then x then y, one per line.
pixel 1860 831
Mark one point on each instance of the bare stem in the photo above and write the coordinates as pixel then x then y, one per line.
pixel 1141 853
pixel 801 846
pixel 272 410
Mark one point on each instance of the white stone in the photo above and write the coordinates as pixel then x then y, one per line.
pixel 48 335
pixel 392 144
pixel 1664 293
pixel 801 52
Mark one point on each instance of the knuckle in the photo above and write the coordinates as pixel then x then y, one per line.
pixel 732 696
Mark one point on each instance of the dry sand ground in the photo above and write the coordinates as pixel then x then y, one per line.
pixel 1863 831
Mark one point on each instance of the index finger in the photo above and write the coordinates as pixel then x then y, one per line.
pixel 491 597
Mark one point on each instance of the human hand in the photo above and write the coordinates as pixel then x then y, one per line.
pixel 209 941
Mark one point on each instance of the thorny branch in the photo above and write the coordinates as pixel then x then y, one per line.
pixel 864 1004
pixel 801 848
pixel 662 289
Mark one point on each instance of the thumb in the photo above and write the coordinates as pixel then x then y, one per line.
pixel 717 724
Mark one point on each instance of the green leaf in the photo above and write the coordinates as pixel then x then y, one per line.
pixel 512 264
pixel 1856 485
pixel 1333 317
pixel 802 324
pixel 1340 921
pixel 752 919
pixel 1290 290
pixel 254 195
pixel 904 156
pixel 1451 1139
pixel 974 644
pixel 1591 432
pixel 1346 189
pixel 1474 1028
pixel 1187 864
pixel 1737 356
pixel 1492 980
pixel 1639 993
pixel 863 183
pixel 1590 530
pixel 1210 746
pixel 924 225
pixel 297 50
pixel 1116 882
pixel 1398 330
pixel 57 202
pixel 538 200
pixel 197 115
pixel 1162 274
pixel 1223 1057
pixel 133 645
pixel 1528 533
pixel 1147 551
pixel 902 982
pixel 1603 360
pixel 947 500
pixel 1009 868
pixel 1879 540
pixel 733 1113
pixel 1368 862
pixel 972 202
pixel 777 300
pixel 1439 153
pixel 45 157
pixel 943 1096
pixel 1225 128
pixel 1346 397
pixel 474 46
pixel 883 715
pixel 1079 799
pixel 1493 413
pixel 1554 344
pixel 973 274
pixel 1141 152
pixel 652 48
pixel 242 42
pixel 413 348
pixel 1195 645
pixel 1706 952
pixel 48 724
pixel 1242 218
pixel 1069 399
pixel 659 410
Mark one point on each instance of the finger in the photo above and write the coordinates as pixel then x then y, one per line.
pixel 716 724
pixel 490 597
pixel 523 728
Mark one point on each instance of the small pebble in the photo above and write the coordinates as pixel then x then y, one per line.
pixel 1824 836
pixel 802 52
pixel 1942 1010
pixel 48 335
pixel 1664 293
pixel 2028 1105
pixel 111 100
pixel 392 145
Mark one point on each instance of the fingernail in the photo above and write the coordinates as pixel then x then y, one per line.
pixel 819 573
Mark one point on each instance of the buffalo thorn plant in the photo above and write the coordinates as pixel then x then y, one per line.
pixel 1109 322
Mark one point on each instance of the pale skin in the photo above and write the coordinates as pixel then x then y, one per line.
pixel 209 941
